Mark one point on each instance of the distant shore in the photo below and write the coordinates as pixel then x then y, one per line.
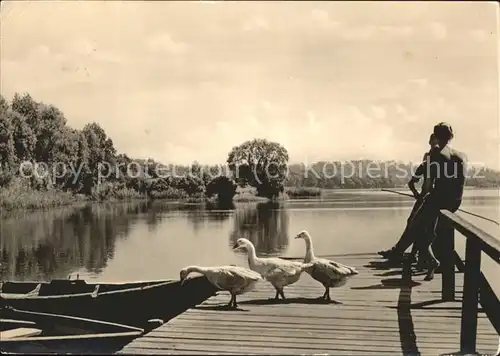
pixel 29 199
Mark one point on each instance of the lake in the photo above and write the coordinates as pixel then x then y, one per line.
pixel 154 240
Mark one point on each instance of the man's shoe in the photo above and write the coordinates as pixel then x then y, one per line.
pixel 385 253
pixel 389 254
pixel 431 270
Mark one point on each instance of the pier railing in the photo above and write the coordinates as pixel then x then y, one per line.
pixel 476 288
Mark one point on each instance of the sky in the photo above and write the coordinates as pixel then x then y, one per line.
pixel 185 81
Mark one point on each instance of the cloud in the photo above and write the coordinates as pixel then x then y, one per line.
pixel 378 112
pixel 422 82
pixel 165 43
pixel 44 68
pixel 252 122
pixel 256 23
pixel 305 140
pixel 40 52
pixel 367 137
pixel 400 109
pixel 315 126
pixel 402 115
pixel 322 18
pixel 480 35
pixel 85 48
pixel 41 62
pixel 438 30
pixel 359 33
pixel 396 31
pixel 356 30
pixel 267 105
pixel 376 32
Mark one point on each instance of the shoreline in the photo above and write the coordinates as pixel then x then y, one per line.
pixel 28 201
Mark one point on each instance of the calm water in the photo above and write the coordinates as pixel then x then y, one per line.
pixel 142 241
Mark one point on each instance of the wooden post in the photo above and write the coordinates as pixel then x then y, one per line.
pixel 447 259
pixel 472 277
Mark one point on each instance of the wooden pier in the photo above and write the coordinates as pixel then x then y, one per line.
pixel 384 310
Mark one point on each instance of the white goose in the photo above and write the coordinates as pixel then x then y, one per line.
pixel 280 273
pixel 330 274
pixel 235 280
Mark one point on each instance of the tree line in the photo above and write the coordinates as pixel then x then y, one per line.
pixel 37 144
pixel 386 174
pixel 34 132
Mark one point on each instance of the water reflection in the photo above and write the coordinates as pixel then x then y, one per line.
pixel 201 214
pixel 265 224
pixel 53 244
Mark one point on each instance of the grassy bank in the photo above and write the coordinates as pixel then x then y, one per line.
pixel 248 198
pixel 247 195
pixel 19 197
pixel 28 199
pixel 250 195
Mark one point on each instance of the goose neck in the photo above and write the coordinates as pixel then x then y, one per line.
pixel 196 269
pixel 309 250
pixel 252 255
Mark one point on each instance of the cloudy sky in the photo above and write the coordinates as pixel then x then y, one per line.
pixel 179 81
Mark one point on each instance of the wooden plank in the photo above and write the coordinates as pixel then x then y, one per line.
pixel 301 337
pixel 382 312
pixel 394 326
pixel 299 316
pixel 318 333
pixel 321 344
pixel 379 328
pixel 245 346
pixel 487 243
pixel 304 343
pixel 19 333
pixel 158 351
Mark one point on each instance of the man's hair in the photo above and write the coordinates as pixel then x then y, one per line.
pixel 443 131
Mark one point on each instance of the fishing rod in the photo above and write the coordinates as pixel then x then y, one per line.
pixel 463 211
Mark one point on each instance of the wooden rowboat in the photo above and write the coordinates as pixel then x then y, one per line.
pixel 123 303
pixel 24 332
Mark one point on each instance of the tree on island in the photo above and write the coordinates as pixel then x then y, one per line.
pixel 223 187
pixel 260 163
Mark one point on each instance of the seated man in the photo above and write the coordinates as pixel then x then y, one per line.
pixel 446 177
pixel 405 241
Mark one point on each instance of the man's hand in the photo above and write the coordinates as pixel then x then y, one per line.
pixel 411 185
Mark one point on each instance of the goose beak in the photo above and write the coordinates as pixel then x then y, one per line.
pixel 183 281
pixel 236 246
